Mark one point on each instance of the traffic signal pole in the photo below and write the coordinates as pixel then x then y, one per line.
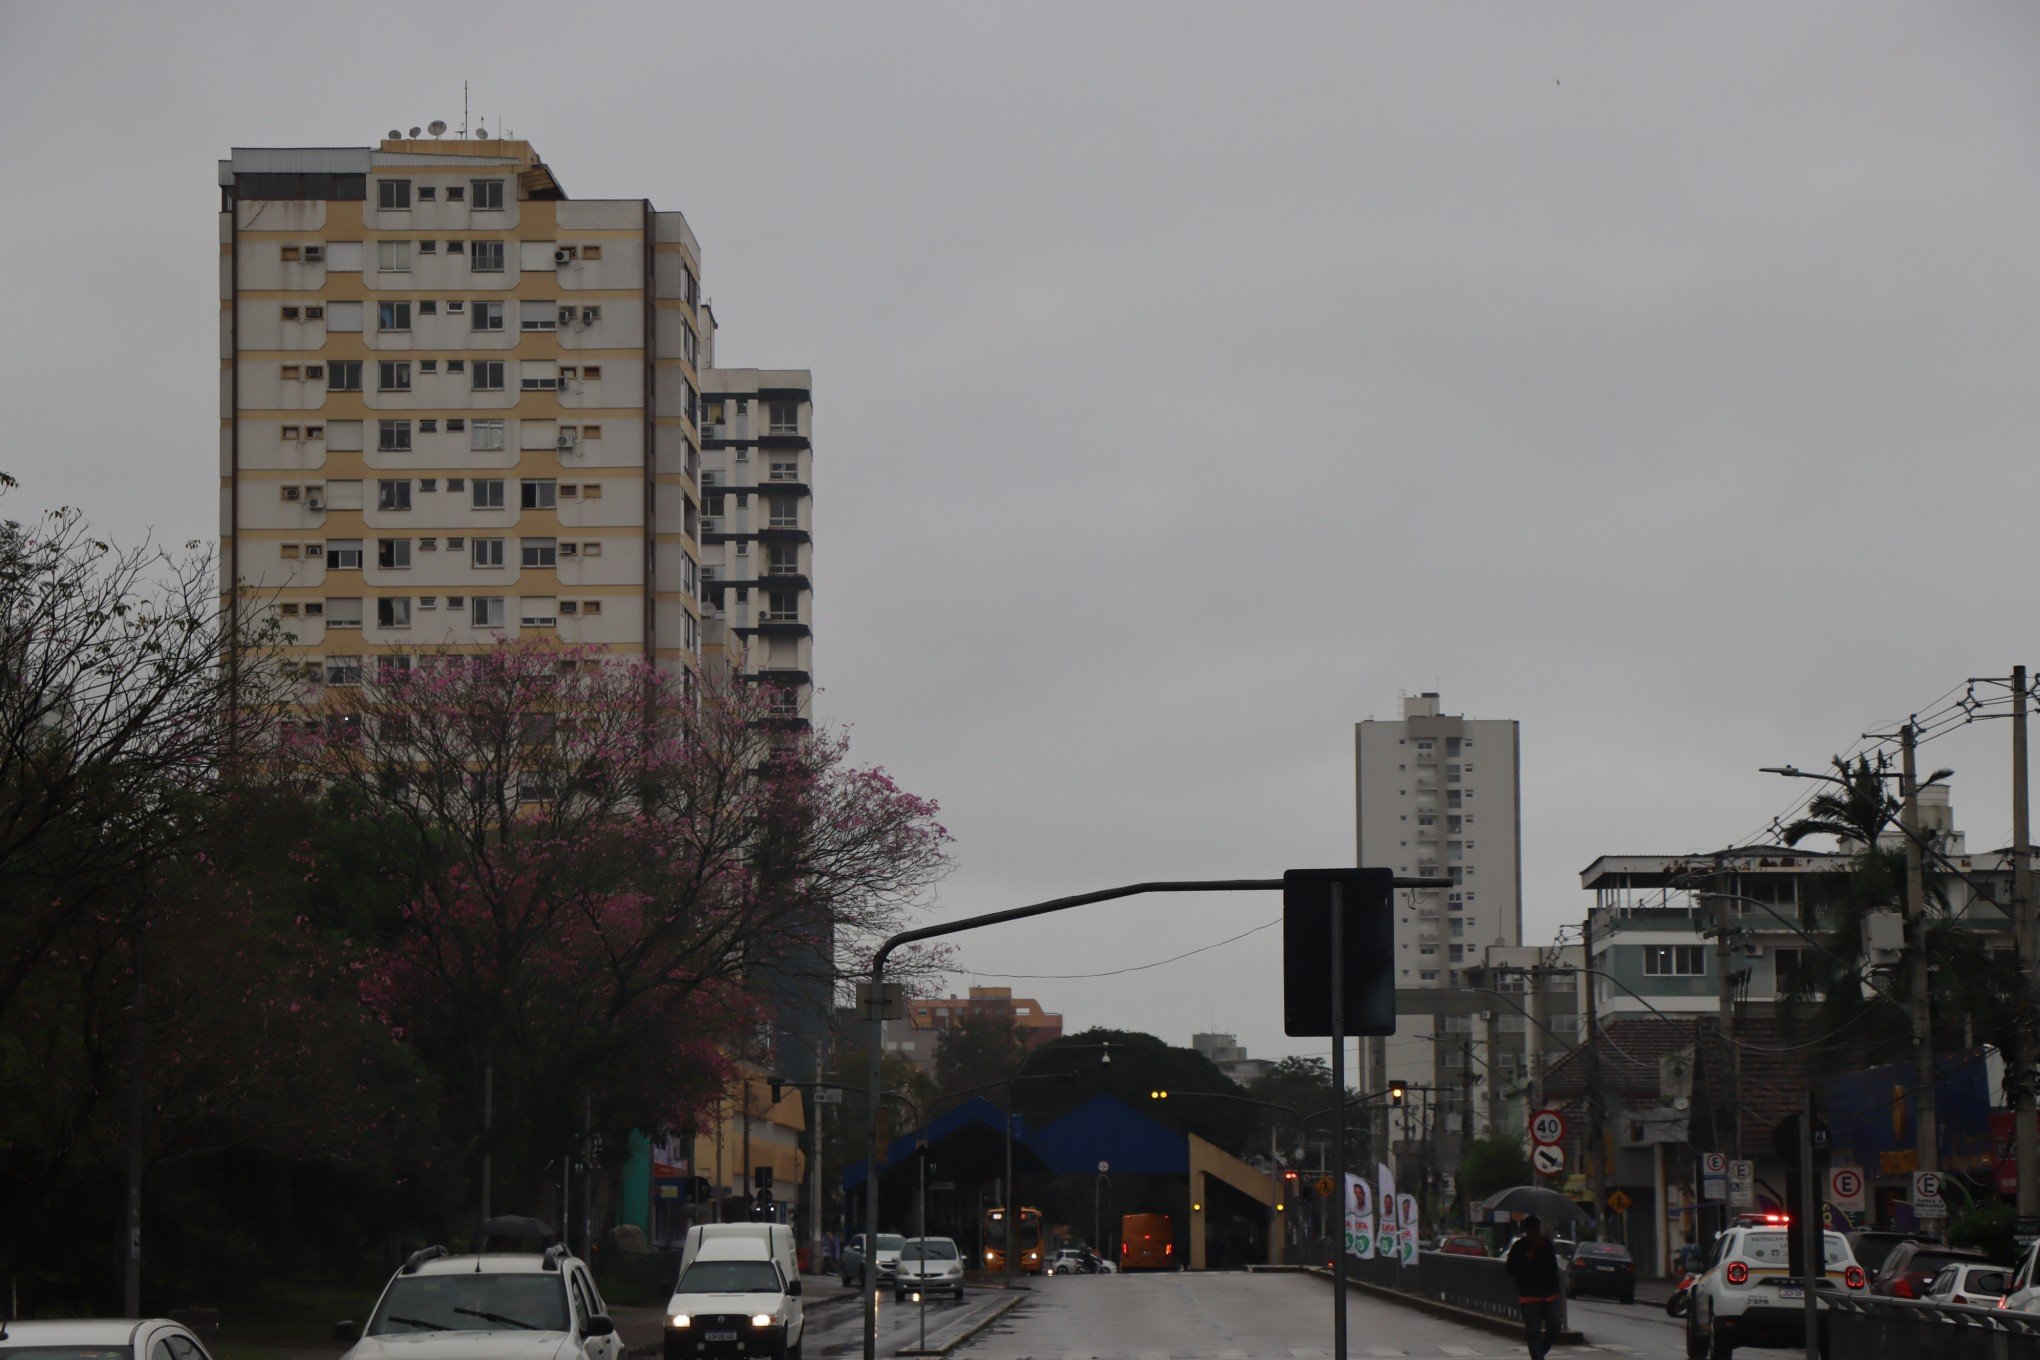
pixel 1339 1116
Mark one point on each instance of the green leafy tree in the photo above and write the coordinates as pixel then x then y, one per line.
pixel 1490 1164
pixel 1303 1085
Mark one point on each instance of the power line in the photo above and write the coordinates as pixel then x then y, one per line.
pixel 1135 968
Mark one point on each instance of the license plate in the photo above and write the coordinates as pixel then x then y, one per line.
pixel 719 1336
pixel 1791 1291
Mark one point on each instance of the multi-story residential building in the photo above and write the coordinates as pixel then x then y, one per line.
pixel 1722 933
pixel 757 542
pixel 917 1034
pixel 1229 1056
pixel 456 404
pixel 1437 796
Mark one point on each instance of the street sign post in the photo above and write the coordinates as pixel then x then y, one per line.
pixel 1325 1187
pixel 1927 1201
pixel 1364 941
pixel 1714 1177
pixel 1547 1159
pixel 1620 1202
pixel 1742 1185
pixel 1846 1189
pixel 1547 1127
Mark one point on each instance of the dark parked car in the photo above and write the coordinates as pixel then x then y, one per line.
pixel 1912 1266
pixel 1602 1268
pixel 1870 1247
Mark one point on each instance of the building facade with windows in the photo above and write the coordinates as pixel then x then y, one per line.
pixel 1437 795
pixel 757 541
pixel 456 404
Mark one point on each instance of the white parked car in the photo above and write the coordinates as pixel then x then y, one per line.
pixel 103 1339
pixel 2022 1291
pixel 926 1266
pixel 503 1306
pixel 1975 1283
pixel 734 1298
pixel 1744 1296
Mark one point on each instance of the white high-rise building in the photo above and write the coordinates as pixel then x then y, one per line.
pixel 1437 796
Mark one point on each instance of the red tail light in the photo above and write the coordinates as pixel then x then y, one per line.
pixel 1738 1273
pixel 1125 1247
pixel 1902 1288
pixel 1853 1277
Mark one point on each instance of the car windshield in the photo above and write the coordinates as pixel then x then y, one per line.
pixel 931 1251
pixel 730 1277
pixel 1771 1249
pixel 1927 1262
pixel 470 1302
pixel 67 1352
pixel 891 1242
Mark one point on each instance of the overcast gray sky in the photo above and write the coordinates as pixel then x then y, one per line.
pixel 1192 379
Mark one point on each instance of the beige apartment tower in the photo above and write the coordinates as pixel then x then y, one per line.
pixel 1437 795
pixel 457 404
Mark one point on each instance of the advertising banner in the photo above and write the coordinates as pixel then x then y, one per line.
pixel 1387 1237
pixel 1406 1221
pixel 1359 1217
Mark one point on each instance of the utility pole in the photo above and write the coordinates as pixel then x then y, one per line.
pixel 1725 1001
pixel 1494 1071
pixel 1466 1097
pixel 2026 936
pixel 1926 1122
pixel 1533 1038
pixel 1597 1168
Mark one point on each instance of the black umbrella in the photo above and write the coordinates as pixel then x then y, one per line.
pixel 1548 1205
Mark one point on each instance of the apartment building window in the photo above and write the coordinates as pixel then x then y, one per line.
pixel 543 316
pixel 487 552
pixel 343 375
pixel 343 554
pixel 393 554
pixel 487 375
pixel 393 375
pixel 785 512
pixel 486 434
pixel 487 194
pixel 393 257
pixel 785 470
pixel 1452 798
pixel 393 316
pixel 393 195
pixel 783 559
pixel 783 417
pixel 486 611
pixel 539 493
pixel 343 613
pixel 343 670
pixel 486 316
pixel 1788 963
pixel 486 257
pixel 393 494
pixel 538 552
pixel 456 193
pixel 487 493
pixel 393 611
pixel 783 604
pixel 1674 960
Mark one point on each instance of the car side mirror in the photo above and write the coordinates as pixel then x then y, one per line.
pixel 599 1324
pixel 793 1288
pixel 350 1332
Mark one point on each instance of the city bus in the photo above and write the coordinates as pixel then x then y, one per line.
pixel 1147 1242
pixel 1026 1240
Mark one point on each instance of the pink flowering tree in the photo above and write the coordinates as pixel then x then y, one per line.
pixel 606 856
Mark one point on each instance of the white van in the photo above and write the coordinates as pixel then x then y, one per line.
pixel 738 1292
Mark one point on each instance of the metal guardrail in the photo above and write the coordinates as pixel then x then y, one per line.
pixel 1474 1282
pixel 1944 1331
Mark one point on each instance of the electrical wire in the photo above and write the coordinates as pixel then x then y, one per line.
pixel 1135 968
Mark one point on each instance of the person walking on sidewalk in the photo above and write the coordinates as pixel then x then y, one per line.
pixel 1532 1263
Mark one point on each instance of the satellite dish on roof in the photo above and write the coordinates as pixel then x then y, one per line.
pixel 396 133
pixel 481 132
pixel 436 127
pixel 416 131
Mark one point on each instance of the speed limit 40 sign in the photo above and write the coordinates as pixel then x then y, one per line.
pixel 1547 1127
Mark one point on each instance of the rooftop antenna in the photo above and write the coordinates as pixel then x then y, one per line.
pixel 463 108
pixel 414 133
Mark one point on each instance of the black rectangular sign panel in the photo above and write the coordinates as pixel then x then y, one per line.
pixel 1307 951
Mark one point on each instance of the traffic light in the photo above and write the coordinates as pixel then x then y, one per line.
pixel 1397 1091
pixel 761 1177
pixel 778 1085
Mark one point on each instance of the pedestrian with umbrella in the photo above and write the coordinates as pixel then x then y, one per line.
pixel 1532 1263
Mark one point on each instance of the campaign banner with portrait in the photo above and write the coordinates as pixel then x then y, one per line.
pixel 1359 1218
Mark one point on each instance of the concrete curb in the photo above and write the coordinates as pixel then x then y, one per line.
pixel 1452 1311
pixel 969 1332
